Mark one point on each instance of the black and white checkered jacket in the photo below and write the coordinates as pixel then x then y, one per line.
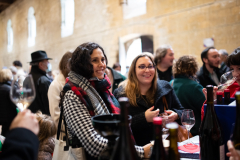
pixel 79 123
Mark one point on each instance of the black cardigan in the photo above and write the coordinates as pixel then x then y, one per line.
pixel 7 107
pixel 142 130
pixel 20 144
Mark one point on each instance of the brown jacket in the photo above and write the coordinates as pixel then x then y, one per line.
pixel 46 149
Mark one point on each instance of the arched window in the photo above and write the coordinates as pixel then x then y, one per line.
pixel 68 17
pixel 9 36
pixel 134 8
pixel 31 27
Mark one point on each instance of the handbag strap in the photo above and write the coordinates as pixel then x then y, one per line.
pixel 66 148
pixel 165 103
pixel 59 123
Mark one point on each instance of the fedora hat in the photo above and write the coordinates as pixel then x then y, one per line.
pixel 38 56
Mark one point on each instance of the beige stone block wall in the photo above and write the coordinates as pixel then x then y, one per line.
pixel 181 23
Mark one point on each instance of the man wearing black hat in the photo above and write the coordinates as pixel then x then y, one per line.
pixel 41 81
pixel 209 73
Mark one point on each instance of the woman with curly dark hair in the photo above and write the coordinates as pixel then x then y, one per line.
pixel 187 88
pixel 87 94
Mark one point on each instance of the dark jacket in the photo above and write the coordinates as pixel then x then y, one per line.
pixel 205 78
pixel 224 68
pixel 7 107
pixel 117 78
pixel 20 144
pixel 190 94
pixel 142 130
pixel 167 75
pixel 41 83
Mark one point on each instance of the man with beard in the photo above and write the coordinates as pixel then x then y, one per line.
pixel 209 73
pixel 164 60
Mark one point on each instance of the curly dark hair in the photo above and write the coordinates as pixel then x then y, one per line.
pixel 81 59
pixel 185 65
pixel 234 58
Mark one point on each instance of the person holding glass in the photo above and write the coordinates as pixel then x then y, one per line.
pixel 86 94
pixel 187 88
pixel 233 62
pixel 7 107
pixel 148 97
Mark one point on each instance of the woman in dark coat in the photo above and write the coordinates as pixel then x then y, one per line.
pixel 7 107
pixel 148 97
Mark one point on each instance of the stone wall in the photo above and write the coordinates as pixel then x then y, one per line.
pixel 182 23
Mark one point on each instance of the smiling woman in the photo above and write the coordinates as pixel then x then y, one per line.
pixel 87 94
pixel 148 97
pixel 98 61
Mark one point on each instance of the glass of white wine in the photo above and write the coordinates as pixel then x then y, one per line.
pixel 24 96
pixel 188 120
pixel 226 80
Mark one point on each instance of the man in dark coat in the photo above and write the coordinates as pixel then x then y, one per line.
pixel 41 82
pixel 223 56
pixel 209 73
pixel 164 60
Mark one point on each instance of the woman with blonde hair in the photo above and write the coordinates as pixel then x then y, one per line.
pixel 7 107
pixel 148 97
pixel 187 88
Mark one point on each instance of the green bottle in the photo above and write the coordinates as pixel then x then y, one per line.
pixel 173 149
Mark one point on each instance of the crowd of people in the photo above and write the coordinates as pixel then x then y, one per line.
pixel 156 85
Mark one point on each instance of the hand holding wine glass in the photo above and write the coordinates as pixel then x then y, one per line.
pixel 226 80
pixel 188 120
pixel 24 96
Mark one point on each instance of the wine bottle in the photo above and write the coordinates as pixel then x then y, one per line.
pixel 211 142
pixel 226 96
pixel 173 149
pixel 236 132
pixel 124 148
pixel 219 97
pixel 158 152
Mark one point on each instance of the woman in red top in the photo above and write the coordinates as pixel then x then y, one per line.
pixel 233 61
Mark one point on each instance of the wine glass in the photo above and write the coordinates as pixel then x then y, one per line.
pixel 226 80
pixel 188 120
pixel 24 96
pixel 165 130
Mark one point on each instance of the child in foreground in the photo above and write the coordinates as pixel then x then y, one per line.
pixel 46 136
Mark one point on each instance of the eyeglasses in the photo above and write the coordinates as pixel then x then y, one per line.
pixel 143 67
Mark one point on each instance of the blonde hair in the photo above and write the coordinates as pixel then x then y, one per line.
pixel 47 127
pixel 5 75
pixel 131 85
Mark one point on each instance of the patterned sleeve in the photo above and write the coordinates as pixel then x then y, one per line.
pixel 79 123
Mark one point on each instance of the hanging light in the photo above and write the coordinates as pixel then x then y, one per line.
pixel 123 2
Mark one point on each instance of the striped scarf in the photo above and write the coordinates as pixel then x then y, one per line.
pixel 93 93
